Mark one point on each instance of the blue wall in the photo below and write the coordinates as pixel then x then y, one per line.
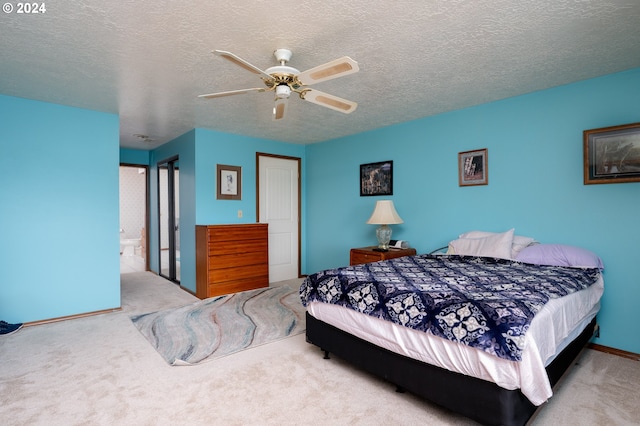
pixel 59 211
pixel 223 148
pixel 200 151
pixel 184 148
pixel 535 185
pixel 134 156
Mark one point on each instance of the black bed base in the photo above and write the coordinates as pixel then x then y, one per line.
pixel 480 400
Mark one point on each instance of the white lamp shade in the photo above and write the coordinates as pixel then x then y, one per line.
pixel 384 214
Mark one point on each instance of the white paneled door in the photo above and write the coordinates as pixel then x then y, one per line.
pixel 279 207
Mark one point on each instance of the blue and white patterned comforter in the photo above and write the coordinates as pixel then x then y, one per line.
pixel 482 302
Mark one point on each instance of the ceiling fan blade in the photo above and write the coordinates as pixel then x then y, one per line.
pixel 334 69
pixel 232 92
pixel 242 63
pixel 279 108
pixel 329 101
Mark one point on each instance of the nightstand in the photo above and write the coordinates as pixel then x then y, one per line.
pixel 368 255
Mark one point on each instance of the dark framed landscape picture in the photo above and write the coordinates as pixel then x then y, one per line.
pixel 612 154
pixel 229 182
pixel 472 168
pixel 376 178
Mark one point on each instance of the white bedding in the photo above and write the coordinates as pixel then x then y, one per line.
pixel 557 324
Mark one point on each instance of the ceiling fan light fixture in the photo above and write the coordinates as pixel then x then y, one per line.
pixel 283 55
pixel 283 91
pixel 283 79
pixel 279 109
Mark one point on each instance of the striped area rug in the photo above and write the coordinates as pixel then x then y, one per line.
pixel 219 326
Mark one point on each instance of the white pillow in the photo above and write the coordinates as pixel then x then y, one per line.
pixel 519 242
pixel 495 245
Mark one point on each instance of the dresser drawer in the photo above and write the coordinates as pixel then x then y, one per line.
pixel 358 257
pixel 361 255
pixel 237 232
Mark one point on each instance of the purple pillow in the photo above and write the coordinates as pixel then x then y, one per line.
pixel 559 255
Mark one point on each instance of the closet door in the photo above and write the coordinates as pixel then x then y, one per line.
pixel 279 206
pixel 169 219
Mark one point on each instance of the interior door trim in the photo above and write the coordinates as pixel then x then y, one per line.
pixel 171 224
pixel 299 161
pixel 147 203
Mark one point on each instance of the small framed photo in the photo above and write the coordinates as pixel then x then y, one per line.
pixel 472 168
pixel 229 182
pixel 376 178
pixel 612 154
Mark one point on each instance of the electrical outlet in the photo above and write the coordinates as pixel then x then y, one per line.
pixel 239 213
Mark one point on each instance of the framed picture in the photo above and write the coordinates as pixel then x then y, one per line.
pixel 376 178
pixel 612 154
pixel 472 168
pixel 229 182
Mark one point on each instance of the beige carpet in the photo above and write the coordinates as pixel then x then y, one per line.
pixel 101 371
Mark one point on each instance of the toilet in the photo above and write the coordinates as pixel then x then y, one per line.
pixel 128 245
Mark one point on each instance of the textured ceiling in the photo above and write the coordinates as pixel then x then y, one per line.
pixel 147 60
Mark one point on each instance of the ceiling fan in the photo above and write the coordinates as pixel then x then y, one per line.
pixel 283 79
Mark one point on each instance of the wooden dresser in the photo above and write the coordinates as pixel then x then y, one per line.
pixel 231 258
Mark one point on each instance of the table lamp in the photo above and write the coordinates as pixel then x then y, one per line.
pixel 384 214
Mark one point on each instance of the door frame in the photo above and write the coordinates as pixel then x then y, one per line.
pixel 299 207
pixel 171 224
pixel 147 203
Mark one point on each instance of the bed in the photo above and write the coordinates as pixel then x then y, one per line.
pixel 484 333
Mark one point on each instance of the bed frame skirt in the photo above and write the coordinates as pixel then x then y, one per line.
pixel 480 400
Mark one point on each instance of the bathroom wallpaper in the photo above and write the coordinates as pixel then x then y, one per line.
pixel 132 201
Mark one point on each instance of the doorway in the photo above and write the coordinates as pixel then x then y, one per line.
pixel 279 206
pixel 133 197
pixel 169 219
